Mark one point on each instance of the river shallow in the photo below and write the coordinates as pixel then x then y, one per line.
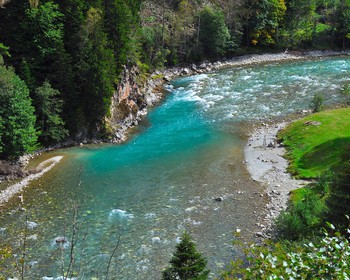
pixel 140 196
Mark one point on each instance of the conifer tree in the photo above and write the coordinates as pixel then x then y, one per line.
pixel 187 263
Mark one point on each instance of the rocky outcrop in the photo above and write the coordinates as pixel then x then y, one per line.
pixel 131 100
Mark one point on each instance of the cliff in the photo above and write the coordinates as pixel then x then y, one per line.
pixel 131 100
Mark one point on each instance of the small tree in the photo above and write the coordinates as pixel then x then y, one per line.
pixel 317 102
pixel 187 263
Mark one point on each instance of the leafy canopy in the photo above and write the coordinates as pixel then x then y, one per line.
pixel 17 119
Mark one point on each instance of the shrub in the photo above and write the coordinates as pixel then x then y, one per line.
pixel 326 258
pixel 303 218
pixel 317 102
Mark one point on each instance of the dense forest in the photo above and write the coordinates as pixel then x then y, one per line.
pixel 62 60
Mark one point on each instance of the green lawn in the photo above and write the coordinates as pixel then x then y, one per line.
pixel 316 143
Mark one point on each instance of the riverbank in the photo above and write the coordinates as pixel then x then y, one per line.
pixel 40 170
pixel 266 165
pixel 153 92
pixel 245 60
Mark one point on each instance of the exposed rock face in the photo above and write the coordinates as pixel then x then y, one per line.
pixel 131 100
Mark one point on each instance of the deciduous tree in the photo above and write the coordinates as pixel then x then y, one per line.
pixel 213 32
pixel 18 134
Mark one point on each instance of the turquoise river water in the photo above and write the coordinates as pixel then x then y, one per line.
pixel 133 201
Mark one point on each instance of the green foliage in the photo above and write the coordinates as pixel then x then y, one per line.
pixel 97 69
pixel 56 41
pixel 121 21
pixel 5 254
pixel 213 32
pixel 325 258
pixel 154 53
pixel 44 24
pixel 4 50
pixel 303 217
pixel 338 200
pixel 18 134
pixel 187 263
pixel 317 102
pixel 300 23
pixel 48 109
pixel 345 92
pixel 342 24
pixel 268 17
pixel 316 143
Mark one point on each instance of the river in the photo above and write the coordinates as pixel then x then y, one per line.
pixel 125 206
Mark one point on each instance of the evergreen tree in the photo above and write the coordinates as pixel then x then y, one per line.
pixel 48 108
pixel 97 71
pixel 187 263
pixel 17 119
pixel 122 25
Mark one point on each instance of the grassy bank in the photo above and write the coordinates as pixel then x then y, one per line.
pixel 316 143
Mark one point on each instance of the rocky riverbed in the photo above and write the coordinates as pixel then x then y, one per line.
pixel 266 164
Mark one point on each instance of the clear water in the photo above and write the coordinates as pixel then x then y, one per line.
pixel 136 199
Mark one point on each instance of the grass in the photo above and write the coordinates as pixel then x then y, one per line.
pixel 298 195
pixel 316 143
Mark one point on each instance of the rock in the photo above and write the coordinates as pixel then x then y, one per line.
pixel 220 198
pixel 33 237
pixel 60 240
pixel 186 71
pixel 259 234
pixel 22 209
pixel 31 225
pixel 156 239
pixel 167 78
pixel 312 123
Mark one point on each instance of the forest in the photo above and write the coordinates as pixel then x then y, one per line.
pixel 61 63
pixel 62 60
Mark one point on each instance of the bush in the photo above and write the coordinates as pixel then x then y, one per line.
pixel 303 218
pixel 325 258
pixel 338 200
pixel 317 102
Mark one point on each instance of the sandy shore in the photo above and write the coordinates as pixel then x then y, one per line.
pixel 265 162
pixel 41 169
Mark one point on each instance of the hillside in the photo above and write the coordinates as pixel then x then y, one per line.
pixel 75 56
